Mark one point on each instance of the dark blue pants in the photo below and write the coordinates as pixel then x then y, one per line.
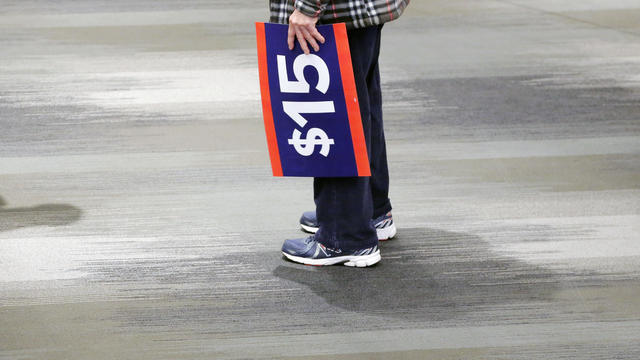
pixel 345 206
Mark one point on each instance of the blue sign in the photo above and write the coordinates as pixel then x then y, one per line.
pixel 310 105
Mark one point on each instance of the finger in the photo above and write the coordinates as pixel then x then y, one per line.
pixel 303 42
pixel 310 40
pixel 290 37
pixel 316 34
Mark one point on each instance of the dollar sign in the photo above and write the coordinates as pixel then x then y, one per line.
pixel 306 146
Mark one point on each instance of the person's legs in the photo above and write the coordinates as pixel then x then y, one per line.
pixel 377 153
pixel 345 206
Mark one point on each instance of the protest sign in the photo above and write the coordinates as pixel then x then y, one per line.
pixel 310 105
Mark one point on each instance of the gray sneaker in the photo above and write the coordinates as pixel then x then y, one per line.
pixel 384 225
pixel 310 252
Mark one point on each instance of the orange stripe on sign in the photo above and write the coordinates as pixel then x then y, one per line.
pixel 351 99
pixel 267 113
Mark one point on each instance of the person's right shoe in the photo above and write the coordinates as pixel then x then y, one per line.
pixel 384 225
pixel 310 252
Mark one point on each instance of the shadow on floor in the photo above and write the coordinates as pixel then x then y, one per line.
pixel 40 215
pixel 428 274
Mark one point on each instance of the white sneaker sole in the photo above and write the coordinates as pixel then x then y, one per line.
pixel 354 261
pixel 387 233
pixel 309 229
pixel 383 234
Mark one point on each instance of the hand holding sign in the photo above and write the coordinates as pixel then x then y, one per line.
pixel 303 28
pixel 310 106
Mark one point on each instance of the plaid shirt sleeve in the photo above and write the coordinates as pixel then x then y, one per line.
pixel 311 8
pixel 355 13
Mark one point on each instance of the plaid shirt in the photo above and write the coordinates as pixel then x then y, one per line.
pixel 355 13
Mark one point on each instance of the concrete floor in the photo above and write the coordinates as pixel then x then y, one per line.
pixel 139 219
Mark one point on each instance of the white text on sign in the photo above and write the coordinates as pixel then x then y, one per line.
pixel 294 109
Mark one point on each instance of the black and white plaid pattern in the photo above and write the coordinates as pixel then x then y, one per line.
pixel 355 13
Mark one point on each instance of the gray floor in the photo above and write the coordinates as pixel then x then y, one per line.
pixel 139 220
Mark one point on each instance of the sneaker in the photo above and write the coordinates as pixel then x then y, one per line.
pixel 310 252
pixel 384 225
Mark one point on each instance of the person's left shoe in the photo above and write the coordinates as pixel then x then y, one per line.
pixel 385 228
pixel 310 252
